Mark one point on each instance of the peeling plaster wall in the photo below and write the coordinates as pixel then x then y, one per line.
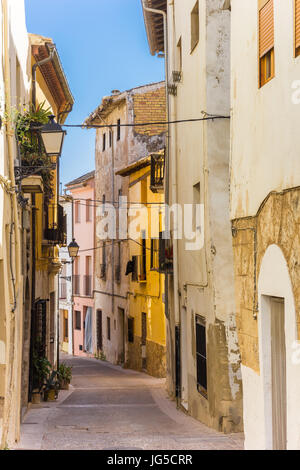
pixel 201 152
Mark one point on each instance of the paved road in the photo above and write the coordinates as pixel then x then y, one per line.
pixel 111 408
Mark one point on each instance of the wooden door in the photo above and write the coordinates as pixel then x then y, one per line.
pixel 278 353
pixel 99 331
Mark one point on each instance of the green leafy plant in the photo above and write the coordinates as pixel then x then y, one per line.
pixel 41 370
pixel 27 125
pixel 64 373
pixel 100 356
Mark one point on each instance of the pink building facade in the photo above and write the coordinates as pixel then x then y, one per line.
pixel 82 191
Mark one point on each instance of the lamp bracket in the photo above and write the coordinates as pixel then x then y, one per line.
pixel 22 172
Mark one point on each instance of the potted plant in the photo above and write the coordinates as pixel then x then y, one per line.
pixel 64 376
pixel 41 370
pixel 51 387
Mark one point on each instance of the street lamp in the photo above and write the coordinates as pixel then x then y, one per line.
pixel 73 249
pixel 53 137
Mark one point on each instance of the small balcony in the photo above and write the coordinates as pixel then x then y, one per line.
pixel 56 226
pixel 88 286
pixel 157 172
pixel 76 283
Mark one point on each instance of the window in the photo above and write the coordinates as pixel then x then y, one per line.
pixel 266 41
pixel 88 276
pixel 76 280
pixel 154 259
pixel 88 214
pixel 179 55
pixel 103 142
pixel 130 330
pixel 110 139
pixel 297 28
pixel 103 265
pixel 135 269
pixel 196 202
pixel 195 26
pixel 118 265
pixel 77 320
pixel 108 328
pixel 119 129
pixel 201 355
pixel 77 212
pixel 66 326
pixel 103 204
pixel 99 330
pixel 143 261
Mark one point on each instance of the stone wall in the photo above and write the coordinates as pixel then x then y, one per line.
pixel 277 222
pixel 156 357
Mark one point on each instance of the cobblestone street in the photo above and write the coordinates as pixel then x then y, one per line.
pixel 110 408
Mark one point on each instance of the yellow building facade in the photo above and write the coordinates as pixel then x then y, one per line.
pixel 146 321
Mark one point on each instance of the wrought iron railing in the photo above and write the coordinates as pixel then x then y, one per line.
pixel 56 225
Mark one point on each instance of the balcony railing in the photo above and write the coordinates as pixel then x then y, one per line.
pixel 157 172
pixel 88 285
pixel 63 290
pixel 76 281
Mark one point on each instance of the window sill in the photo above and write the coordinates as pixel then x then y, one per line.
pixel 265 83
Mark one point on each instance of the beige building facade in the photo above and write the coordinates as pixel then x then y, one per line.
pixel 14 90
pixel 265 211
pixel 203 359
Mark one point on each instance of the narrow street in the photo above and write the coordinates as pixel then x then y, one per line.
pixel 109 408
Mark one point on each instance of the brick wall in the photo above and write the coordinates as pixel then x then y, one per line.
pixel 150 107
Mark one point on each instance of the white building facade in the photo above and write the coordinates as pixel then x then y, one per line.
pixel 203 353
pixel 265 213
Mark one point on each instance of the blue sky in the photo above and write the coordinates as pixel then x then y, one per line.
pixel 103 46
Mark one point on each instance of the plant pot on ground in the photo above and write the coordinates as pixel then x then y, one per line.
pixel 51 387
pixel 36 397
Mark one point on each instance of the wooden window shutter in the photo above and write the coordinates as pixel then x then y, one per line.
pixel 297 23
pixel 266 28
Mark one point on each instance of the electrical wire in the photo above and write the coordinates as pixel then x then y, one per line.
pixel 116 241
pixel 144 124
